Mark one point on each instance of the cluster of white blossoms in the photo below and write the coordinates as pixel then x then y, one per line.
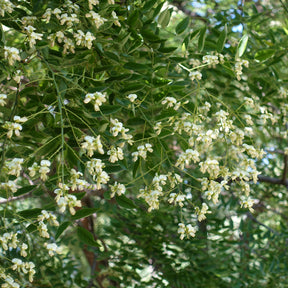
pixel 195 75
pixel 43 169
pixel 53 248
pixel 142 151
pixel 171 103
pixel 95 168
pixel 9 241
pixel 15 126
pixel 76 182
pixel 117 127
pixel 32 36
pixel 11 54
pixel 239 67
pixel 14 166
pixel 201 213
pixel 152 192
pixel 9 186
pixel 3 97
pixel 64 199
pixel 97 99
pixel 68 16
pixel 6 6
pixel 85 40
pixel 186 230
pixel 116 154
pixel 117 188
pixel 96 18
pixel 92 144
pixel 24 267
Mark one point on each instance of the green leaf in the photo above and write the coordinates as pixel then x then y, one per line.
pixel 164 17
pixel 31 228
pixel 125 202
pixel 114 168
pixel 24 190
pixel 62 228
pixel 136 66
pixel 182 25
pixel 84 212
pixel 133 18
pixel 86 237
pixel 30 213
pixel 201 39
pixel 148 5
pixel 222 39
pixel 264 54
pixel 242 46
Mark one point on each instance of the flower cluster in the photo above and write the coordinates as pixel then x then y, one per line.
pixel 186 230
pixel 117 127
pixel 24 267
pixel 92 144
pixel 238 67
pixel 116 154
pixel 97 99
pixel 142 151
pixel 171 102
pixel 63 199
pixel 95 168
pixel 117 188
pixel 5 6
pixel 15 126
pixel 32 36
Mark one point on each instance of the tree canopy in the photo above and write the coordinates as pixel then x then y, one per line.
pixel 143 143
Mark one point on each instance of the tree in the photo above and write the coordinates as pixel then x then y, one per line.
pixel 143 144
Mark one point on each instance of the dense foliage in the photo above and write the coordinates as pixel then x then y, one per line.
pixel 143 143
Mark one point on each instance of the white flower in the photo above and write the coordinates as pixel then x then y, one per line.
pixel 52 249
pixel 6 6
pixel 132 97
pixel 116 154
pixel 12 54
pixel 2 99
pixel 97 99
pixel 195 75
pixel 92 2
pixel 187 230
pixel 171 102
pixel 98 20
pixel 117 188
pixel 92 144
pixel 32 36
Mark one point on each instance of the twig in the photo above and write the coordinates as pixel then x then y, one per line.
pixel 262 224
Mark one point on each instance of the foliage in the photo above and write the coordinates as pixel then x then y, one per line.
pixel 143 144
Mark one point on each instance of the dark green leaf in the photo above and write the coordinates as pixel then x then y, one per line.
pixel 86 237
pixel 62 228
pixel 265 54
pixel 24 190
pixel 125 202
pixel 201 39
pixel 30 213
pixel 182 25
pixel 222 39
pixel 84 212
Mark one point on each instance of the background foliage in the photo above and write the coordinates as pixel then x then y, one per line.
pixel 152 52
